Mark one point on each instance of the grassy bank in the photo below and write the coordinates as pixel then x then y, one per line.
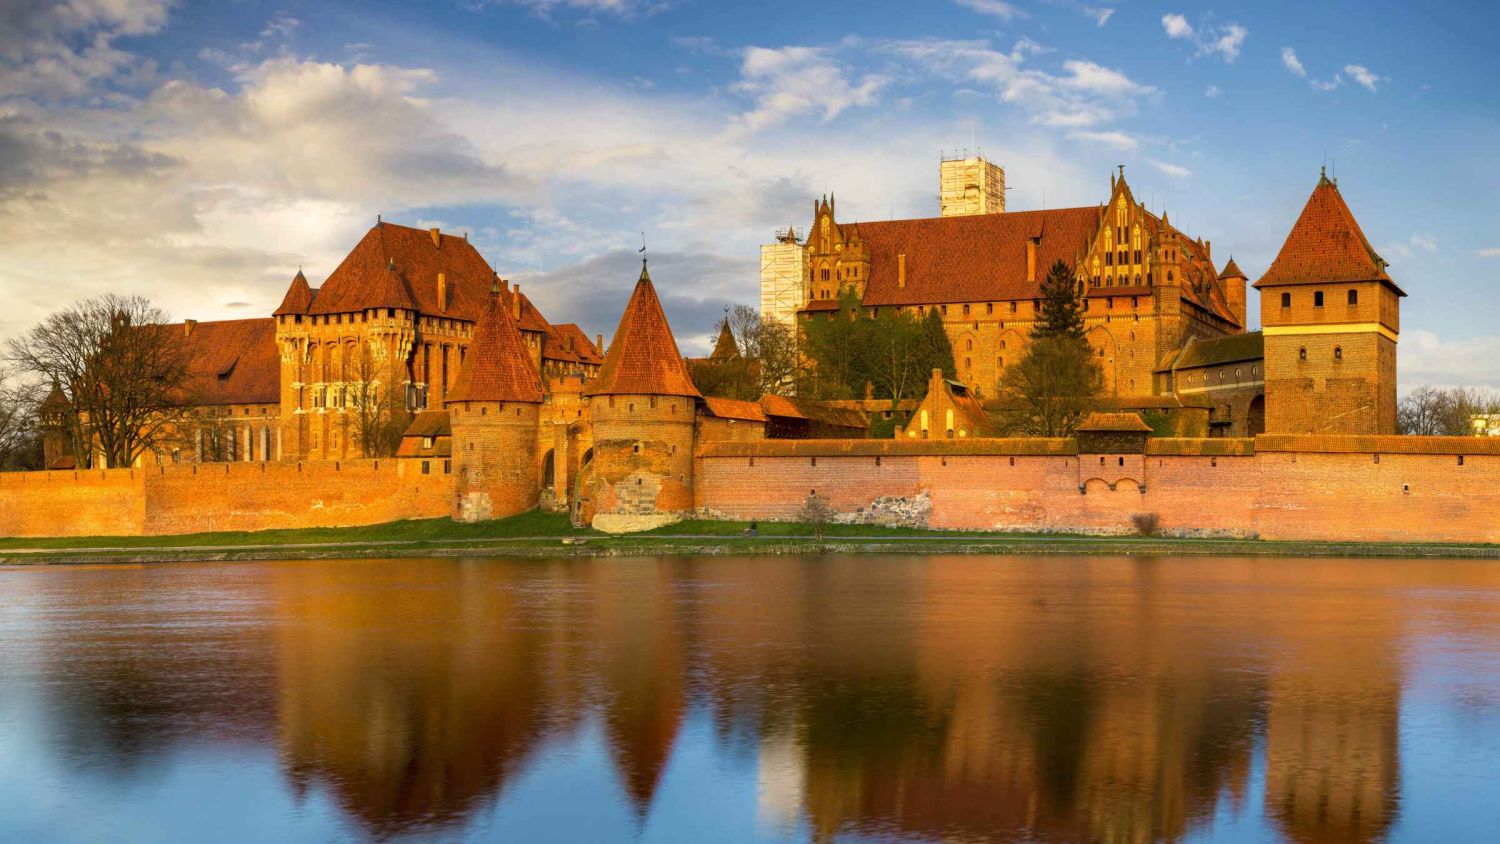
pixel 538 534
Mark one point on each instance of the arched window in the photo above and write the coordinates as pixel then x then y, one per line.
pixel 970 344
pixel 1302 353
pixel 1338 353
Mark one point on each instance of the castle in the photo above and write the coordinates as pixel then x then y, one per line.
pixel 1170 329
pixel 510 412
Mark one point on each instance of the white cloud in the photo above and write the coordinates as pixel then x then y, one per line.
pixel 996 8
pixel 1424 358
pixel 1100 14
pixel 1489 252
pixel 1328 85
pixel 789 82
pixel 1176 25
pixel 1212 91
pixel 1224 41
pixel 61 49
pixel 1116 140
pixel 1174 170
pixel 1292 63
pixel 619 8
pixel 1419 241
pixel 1361 74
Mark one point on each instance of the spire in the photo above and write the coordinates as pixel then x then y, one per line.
pixel 497 368
pixel 1231 270
pixel 57 399
pixel 389 290
pixel 298 297
pixel 1326 245
pixel 725 348
pixel 643 357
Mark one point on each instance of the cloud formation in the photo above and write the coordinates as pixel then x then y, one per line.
pixel 995 8
pixel 791 81
pixel 1223 41
pixel 1291 62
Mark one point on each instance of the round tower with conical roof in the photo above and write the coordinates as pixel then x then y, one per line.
pixel 1234 281
pixel 494 409
pixel 643 408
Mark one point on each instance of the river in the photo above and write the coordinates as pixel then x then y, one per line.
pixel 739 699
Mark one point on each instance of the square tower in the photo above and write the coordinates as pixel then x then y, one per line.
pixel 1332 319
pixel 972 185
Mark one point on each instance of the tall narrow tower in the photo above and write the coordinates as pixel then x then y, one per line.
pixel 494 409
pixel 56 441
pixel 643 406
pixel 1332 318
pixel 783 278
pixel 972 185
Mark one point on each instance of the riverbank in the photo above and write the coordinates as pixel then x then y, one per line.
pixel 539 534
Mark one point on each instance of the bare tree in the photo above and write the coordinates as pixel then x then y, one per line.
pixel 1049 391
pixel 816 512
pixel 20 433
pixel 1445 412
pixel 377 411
pixel 126 372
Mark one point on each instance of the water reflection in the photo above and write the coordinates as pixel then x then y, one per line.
pixel 932 698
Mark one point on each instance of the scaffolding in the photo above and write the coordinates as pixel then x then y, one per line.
pixel 783 278
pixel 971 185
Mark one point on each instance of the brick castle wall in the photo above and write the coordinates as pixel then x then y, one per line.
pixel 220 497
pixel 496 462
pixel 643 454
pixel 1313 488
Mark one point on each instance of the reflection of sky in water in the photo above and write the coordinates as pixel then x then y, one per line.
pixel 752 700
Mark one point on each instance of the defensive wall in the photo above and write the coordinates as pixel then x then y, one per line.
pixel 1351 488
pixel 221 497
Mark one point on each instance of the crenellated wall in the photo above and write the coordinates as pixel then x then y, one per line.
pixel 221 497
pixel 1431 489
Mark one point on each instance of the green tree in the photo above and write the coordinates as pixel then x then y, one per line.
pixel 891 352
pixel 1062 306
pixel 1057 381
pixel 936 349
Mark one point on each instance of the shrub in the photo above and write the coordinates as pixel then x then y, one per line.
pixel 1146 524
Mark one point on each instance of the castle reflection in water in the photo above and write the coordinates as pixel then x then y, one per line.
pixel 931 697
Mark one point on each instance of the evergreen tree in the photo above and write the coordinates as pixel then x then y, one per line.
pixel 1062 307
pixel 937 350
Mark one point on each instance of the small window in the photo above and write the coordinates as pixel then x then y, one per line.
pixel 1286 300
pixel 966 310
pixel 1317 299
pixel 1354 297
pixel 426 467
pixel 1302 353
pixel 989 307
pixel 1338 352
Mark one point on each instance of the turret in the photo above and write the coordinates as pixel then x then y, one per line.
pixel 643 407
pixel 1332 318
pixel 494 409
pixel 53 415
pixel 1234 289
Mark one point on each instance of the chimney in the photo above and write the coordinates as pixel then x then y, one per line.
pixel 1208 249
pixel 901 270
pixel 187 327
pixel 599 343
pixel 1031 258
pixel 437 236
pixel 515 303
pixel 442 291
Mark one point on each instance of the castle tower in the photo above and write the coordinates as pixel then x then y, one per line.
pixel 643 407
pixel 494 408
pixel 292 342
pixel 55 439
pixel 972 185
pixel 1234 289
pixel 783 277
pixel 1331 317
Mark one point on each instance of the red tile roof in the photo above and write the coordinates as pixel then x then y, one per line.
pixel 498 367
pixel 734 409
pixel 971 259
pixel 643 357
pixel 828 413
pixel 299 297
pixel 1110 422
pixel 56 400
pixel 364 278
pixel 429 423
pixel 233 361
pixel 1326 245
pixel 567 342
pixel 530 318
pixel 1232 270
pixel 725 348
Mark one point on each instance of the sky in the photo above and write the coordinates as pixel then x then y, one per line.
pixel 200 153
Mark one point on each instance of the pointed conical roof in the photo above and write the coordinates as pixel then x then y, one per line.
pixel 299 297
pixel 725 348
pixel 643 357
pixel 1326 245
pixel 497 367
pixel 388 290
pixel 57 399
pixel 1232 270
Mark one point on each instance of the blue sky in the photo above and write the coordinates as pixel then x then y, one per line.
pixel 199 153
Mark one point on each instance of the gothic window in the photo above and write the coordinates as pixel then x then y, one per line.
pixel 1002 344
pixel 1338 353
pixel 1302 353
pixel 1109 259
pixel 1169 275
pixel 970 345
